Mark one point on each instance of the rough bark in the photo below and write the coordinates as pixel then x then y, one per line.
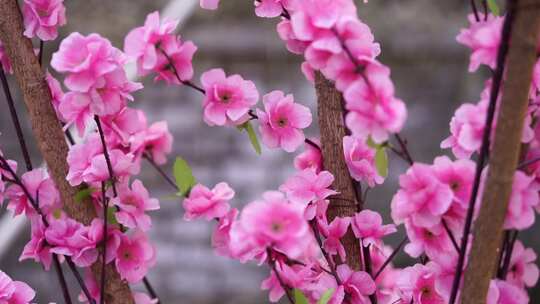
pixel 330 112
pixel 488 228
pixel 47 128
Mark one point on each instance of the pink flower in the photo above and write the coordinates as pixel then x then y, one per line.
pixel 14 292
pixel 4 60
pixel 270 223
pixel 458 175
pixel 37 248
pixel 433 240
pixel 373 109
pixel 419 284
pixel 502 292
pixel 41 188
pixel 296 276
pixel 209 204
pixel 360 159
pixel 142 298
pixel 209 4
pixel 467 129
pixel 270 8
pixel 282 121
pixel 483 38
pixel 333 233
pixel 86 58
pixel 135 256
pixel 221 237
pixel 157 49
pixel 422 197
pixel 227 99
pixel 310 158
pixel 523 201
pixel 358 284
pixel 132 204
pixel 522 270
pixel 286 34
pixel 157 141
pixel 43 17
pixel 56 92
pixel 367 226
pixel 307 186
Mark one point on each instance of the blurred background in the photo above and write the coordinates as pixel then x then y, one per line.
pixel 428 67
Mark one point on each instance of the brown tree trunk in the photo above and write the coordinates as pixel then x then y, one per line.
pixel 330 112
pixel 48 130
pixel 488 228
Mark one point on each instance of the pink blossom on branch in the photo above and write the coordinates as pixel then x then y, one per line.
pixel 208 204
pixel 367 226
pixel 360 159
pixel 14 292
pixel 43 17
pixel 311 157
pixel 282 121
pixel 209 4
pixel 307 186
pixel 132 204
pixel 135 255
pixel 227 99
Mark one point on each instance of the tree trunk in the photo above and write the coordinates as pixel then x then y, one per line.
pixel 47 129
pixel 488 228
pixel 330 112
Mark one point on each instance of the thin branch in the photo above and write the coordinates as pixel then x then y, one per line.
pixel 451 235
pixel 286 288
pixel 475 10
pixel 105 202
pixel 508 255
pixel 390 258
pixel 160 171
pixel 15 119
pixel 177 75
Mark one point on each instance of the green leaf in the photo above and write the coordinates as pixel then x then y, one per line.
pixel 184 176
pixel 371 143
pixel 493 7
pixel 326 296
pixel 83 194
pixel 111 218
pixel 299 297
pixel 252 136
pixel 381 161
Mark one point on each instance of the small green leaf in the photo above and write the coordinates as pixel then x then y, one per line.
pixel 83 194
pixel 184 176
pixel 57 213
pixel 371 143
pixel 327 295
pixel 111 216
pixel 252 136
pixel 493 7
pixel 299 297
pixel 381 161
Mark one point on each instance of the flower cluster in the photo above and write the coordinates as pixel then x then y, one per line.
pixel 14 292
pixel 43 17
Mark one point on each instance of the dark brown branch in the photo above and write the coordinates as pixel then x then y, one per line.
pixel 504 158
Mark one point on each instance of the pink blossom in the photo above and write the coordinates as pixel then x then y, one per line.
pixel 221 237
pixel 296 276
pixel 42 190
pixel 367 226
pixel 286 34
pixel 432 240
pixel 142 298
pixel 126 128
pixel 209 4
pixel 523 201
pixel 135 256
pixel 502 292
pixel 458 175
pixel 522 270
pixel 157 141
pixel 419 284
pixel 14 292
pixel 282 121
pixel 43 17
pixel 333 233
pixel 270 8
pixel 311 157
pixel 358 284
pixel 209 204
pixel 37 248
pixel 422 197
pixel 93 288
pixel 307 186
pixel 227 99
pixel 132 204
pixel 467 129
pixel 373 109
pixel 4 60
pixel 143 43
pixel 272 222
pixel 483 38
pixel 56 92
pixel 360 159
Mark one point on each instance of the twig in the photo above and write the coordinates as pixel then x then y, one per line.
pixel 390 258
pixel 451 235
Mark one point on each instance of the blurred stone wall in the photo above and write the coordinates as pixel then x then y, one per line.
pixel 429 70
